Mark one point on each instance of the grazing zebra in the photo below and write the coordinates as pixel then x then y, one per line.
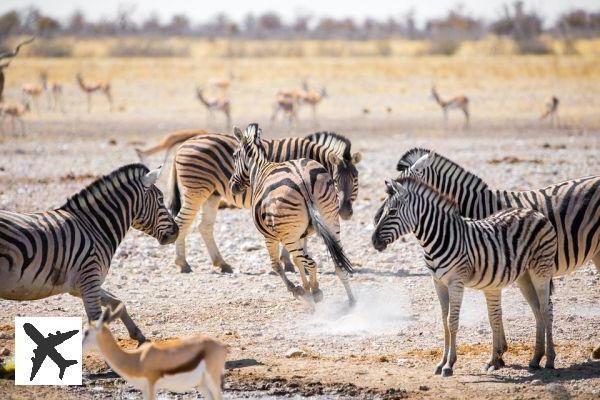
pixel 69 249
pixel 573 207
pixel 290 200
pixel 203 165
pixel 513 245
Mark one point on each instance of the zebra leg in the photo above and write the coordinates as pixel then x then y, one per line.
pixel 442 293
pixel 286 260
pixel 528 290
pixel 596 259
pixel 493 299
pixel 209 215
pixel 272 248
pixel 455 295
pixel 305 265
pixel 190 204
pixel 542 288
pixel 108 299
pixel 343 276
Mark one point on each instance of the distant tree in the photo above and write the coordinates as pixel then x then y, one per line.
pixel 152 24
pixel 270 21
pixel 180 24
pixel 77 23
pixel 9 22
pixel 46 26
pixel 519 24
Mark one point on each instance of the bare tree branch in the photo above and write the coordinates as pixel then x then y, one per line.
pixel 10 54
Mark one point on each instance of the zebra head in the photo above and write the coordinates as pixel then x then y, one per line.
pixel 152 217
pixel 249 150
pixel 395 216
pixel 415 163
pixel 345 176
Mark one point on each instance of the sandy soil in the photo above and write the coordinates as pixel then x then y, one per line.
pixel 388 345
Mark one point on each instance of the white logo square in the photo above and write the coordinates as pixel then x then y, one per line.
pixel 48 350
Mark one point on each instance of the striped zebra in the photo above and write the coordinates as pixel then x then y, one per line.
pixel 203 166
pixel 573 207
pixel 290 200
pixel 511 246
pixel 69 249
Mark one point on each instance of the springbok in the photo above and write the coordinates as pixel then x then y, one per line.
pixel 213 104
pixel 32 92
pixel 90 87
pixel 178 365
pixel 9 54
pixel 54 91
pixel 313 98
pixel 459 102
pixel 15 111
pixel 551 111
pixel 288 105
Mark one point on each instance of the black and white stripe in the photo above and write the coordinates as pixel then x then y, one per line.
pixel 290 200
pixel 511 246
pixel 203 166
pixel 69 249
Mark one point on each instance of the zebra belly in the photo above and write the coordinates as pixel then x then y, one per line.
pixel 28 287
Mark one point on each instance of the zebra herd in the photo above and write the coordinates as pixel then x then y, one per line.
pixel 472 236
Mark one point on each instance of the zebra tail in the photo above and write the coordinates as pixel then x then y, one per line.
pixel 333 245
pixel 175 195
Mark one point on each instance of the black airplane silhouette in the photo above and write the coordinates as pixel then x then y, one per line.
pixel 46 347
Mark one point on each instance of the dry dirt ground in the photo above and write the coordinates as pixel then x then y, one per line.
pixel 388 345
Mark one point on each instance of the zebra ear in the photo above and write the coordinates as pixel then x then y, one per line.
pixel 423 162
pixel 356 157
pixel 237 132
pixel 151 177
pixel 395 187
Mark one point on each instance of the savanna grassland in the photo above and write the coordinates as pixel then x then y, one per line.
pixel 388 346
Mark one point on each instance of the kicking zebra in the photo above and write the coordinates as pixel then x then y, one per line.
pixel 290 200
pixel 573 207
pixel 513 245
pixel 69 249
pixel 203 165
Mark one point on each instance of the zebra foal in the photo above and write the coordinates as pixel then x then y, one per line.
pixel 290 200
pixel 69 249
pixel 513 245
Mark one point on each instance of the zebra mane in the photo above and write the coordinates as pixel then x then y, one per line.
pixel 417 186
pixel 116 177
pixel 412 155
pixel 336 142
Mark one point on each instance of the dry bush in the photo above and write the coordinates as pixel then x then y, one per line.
pixel 442 47
pixel 148 48
pixel 50 49
pixel 533 46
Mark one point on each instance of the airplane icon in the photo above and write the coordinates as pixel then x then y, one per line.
pixel 46 347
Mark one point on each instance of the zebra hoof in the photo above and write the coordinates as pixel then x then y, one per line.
pixel 447 371
pixel 438 369
pixel 298 292
pixel 317 295
pixel 535 364
pixel 185 269
pixel 596 353
pixel 226 269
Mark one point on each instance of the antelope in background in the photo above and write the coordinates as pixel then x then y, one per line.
pixel 459 102
pixel 177 365
pixel 213 104
pixel 54 91
pixel 288 105
pixel 15 111
pixel 551 111
pixel 313 98
pixel 32 92
pixel 3 65
pixel 221 84
pixel 90 87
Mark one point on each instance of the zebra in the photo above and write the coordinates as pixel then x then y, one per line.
pixel 202 168
pixel 512 245
pixel 69 249
pixel 290 200
pixel 573 206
